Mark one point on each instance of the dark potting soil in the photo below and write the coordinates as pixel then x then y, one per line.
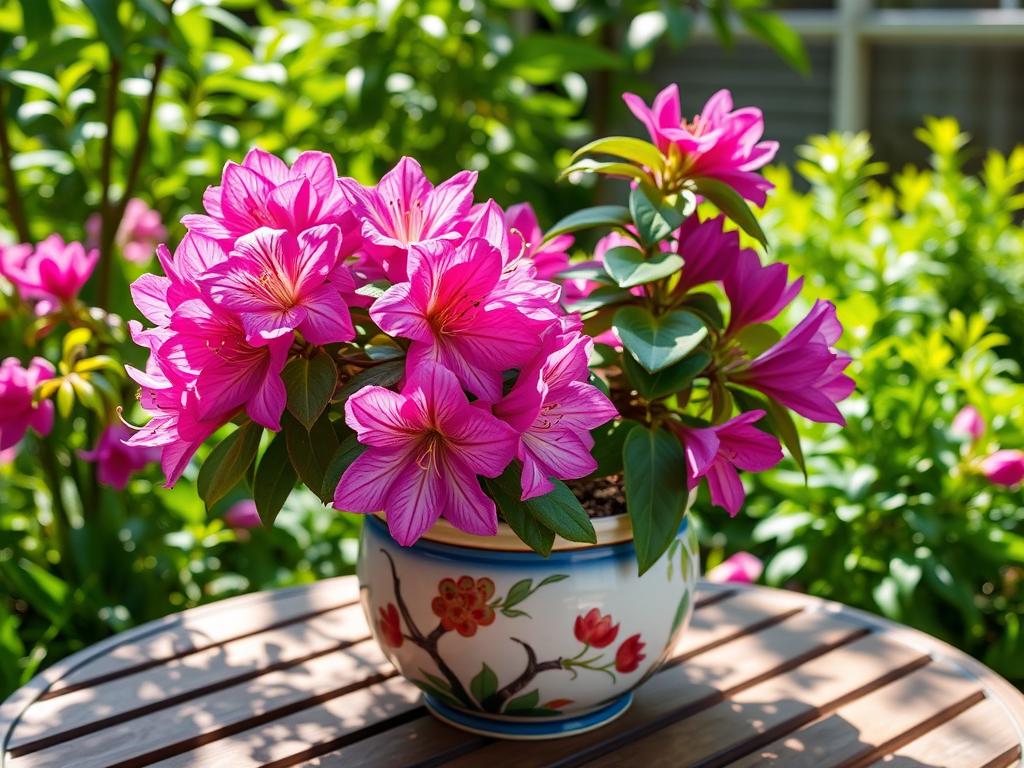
pixel 601 496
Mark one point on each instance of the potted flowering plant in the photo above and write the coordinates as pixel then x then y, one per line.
pixel 428 360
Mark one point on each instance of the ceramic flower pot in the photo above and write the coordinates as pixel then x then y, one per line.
pixel 506 643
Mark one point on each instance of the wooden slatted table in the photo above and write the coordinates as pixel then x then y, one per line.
pixel 292 678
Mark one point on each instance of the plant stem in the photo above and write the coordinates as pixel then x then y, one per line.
pixel 61 520
pixel 108 227
pixel 14 203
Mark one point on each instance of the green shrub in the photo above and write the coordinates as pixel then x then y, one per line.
pixel 895 516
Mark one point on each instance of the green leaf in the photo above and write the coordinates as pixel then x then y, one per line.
pixel 346 453
pixel 484 684
pixel 274 480
pixel 628 267
pixel 526 701
pixel 582 272
pixel 729 202
pixel 656 492
pixel 37 19
pixel 639 151
pixel 228 462
pixel 781 423
pixel 655 218
pixel 108 24
pixel 39 588
pixel 785 564
pixel 667 381
pixel 310 384
pixel 385 374
pixel 779 35
pixel 310 450
pixel 559 510
pixel 608 442
pixel 658 341
pixel 624 170
pixel 605 296
pixel 518 592
pixel 588 218
pixel 544 58
pixel 681 609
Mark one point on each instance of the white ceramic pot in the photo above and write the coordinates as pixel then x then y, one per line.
pixel 507 643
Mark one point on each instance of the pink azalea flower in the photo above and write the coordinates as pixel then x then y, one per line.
pixel 228 372
pixel 757 293
pixel 173 427
pixel 117 460
pixel 803 371
pixel 278 284
pixel 405 209
pixel 264 192
pixel 451 310
pixel 708 251
pixel 716 452
pixel 427 446
pixel 741 568
pixel 969 423
pixel 549 258
pixel 193 259
pixel 138 235
pixel 1004 467
pixel 13 258
pixel 243 514
pixel 553 408
pixel 52 274
pixel 17 411
pixel 718 143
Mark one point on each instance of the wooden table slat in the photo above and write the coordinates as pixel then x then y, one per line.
pixel 981 737
pixel 286 679
pixel 756 715
pixel 885 719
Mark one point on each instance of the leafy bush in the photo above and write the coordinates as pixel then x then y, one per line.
pixel 897 515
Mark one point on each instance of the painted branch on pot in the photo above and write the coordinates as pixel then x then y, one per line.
pixel 466 604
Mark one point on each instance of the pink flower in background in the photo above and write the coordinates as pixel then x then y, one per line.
pixel 405 209
pixel 709 252
pixel 450 310
pixel 1004 467
pixel 264 192
pixel 243 514
pixel 741 568
pixel 551 257
pixel 716 453
pixel 719 143
pixel 52 274
pixel 13 258
pixel 969 423
pixel 803 371
pixel 757 292
pixel 228 372
pixel 553 408
pixel 117 461
pixel 17 411
pixel 278 284
pixel 140 232
pixel 426 447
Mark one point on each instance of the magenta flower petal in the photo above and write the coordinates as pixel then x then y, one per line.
pixel 1004 467
pixel 969 423
pixel 17 411
pixel 741 568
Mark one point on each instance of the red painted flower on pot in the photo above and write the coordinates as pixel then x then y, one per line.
pixel 596 630
pixel 629 655
pixel 463 605
pixel 390 626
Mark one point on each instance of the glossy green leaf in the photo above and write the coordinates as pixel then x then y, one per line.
pixel 729 202
pixel 588 218
pixel 654 217
pixel 637 150
pixel 608 442
pixel 37 19
pixel 274 480
pixel 108 24
pixel 311 450
pixel 658 341
pixel 347 452
pixel 656 492
pixel 668 380
pixel 228 462
pixel 310 383
pixel 605 296
pixel 628 266
pixel 622 170
pixel 785 40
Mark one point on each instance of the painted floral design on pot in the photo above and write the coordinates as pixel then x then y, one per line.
pixel 512 644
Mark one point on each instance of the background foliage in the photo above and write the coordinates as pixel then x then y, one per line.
pixel 103 100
